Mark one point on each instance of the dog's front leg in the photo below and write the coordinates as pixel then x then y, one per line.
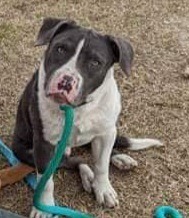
pixel 42 154
pixel 46 198
pixel 101 149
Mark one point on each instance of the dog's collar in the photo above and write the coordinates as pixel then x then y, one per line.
pixel 79 105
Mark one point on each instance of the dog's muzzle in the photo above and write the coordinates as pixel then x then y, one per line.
pixel 64 89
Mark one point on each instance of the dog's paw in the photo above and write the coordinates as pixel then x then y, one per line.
pixel 105 194
pixel 87 177
pixel 35 213
pixel 123 162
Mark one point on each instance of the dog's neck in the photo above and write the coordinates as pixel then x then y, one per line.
pixel 94 97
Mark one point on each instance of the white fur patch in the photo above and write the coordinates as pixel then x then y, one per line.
pixel 123 161
pixel 47 198
pixel 100 114
pixel 47 195
pixel 105 193
pixel 101 148
pixel 139 144
pixel 87 177
pixel 51 115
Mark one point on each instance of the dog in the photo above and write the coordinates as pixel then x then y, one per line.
pixel 76 69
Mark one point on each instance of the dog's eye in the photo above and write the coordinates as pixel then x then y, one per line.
pixel 61 50
pixel 94 63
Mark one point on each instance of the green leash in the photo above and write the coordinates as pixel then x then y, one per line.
pixel 54 163
pixel 167 212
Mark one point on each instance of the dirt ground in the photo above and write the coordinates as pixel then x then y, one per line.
pixel 155 98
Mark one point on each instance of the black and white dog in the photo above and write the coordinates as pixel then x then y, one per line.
pixel 76 69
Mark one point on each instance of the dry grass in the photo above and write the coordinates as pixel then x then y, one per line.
pixel 155 98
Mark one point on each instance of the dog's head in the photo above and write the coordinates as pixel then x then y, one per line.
pixel 77 59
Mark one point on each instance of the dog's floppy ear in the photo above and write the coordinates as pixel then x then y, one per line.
pixel 123 53
pixel 50 27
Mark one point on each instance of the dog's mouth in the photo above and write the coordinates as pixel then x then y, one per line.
pixel 77 100
pixel 59 98
pixel 63 89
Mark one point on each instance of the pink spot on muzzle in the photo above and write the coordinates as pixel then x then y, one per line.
pixel 64 88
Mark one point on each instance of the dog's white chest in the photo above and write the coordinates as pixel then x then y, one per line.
pixel 87 125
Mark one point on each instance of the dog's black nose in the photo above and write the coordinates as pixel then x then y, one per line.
pixel 66 83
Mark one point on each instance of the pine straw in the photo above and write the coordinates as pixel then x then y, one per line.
pixel 155 98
